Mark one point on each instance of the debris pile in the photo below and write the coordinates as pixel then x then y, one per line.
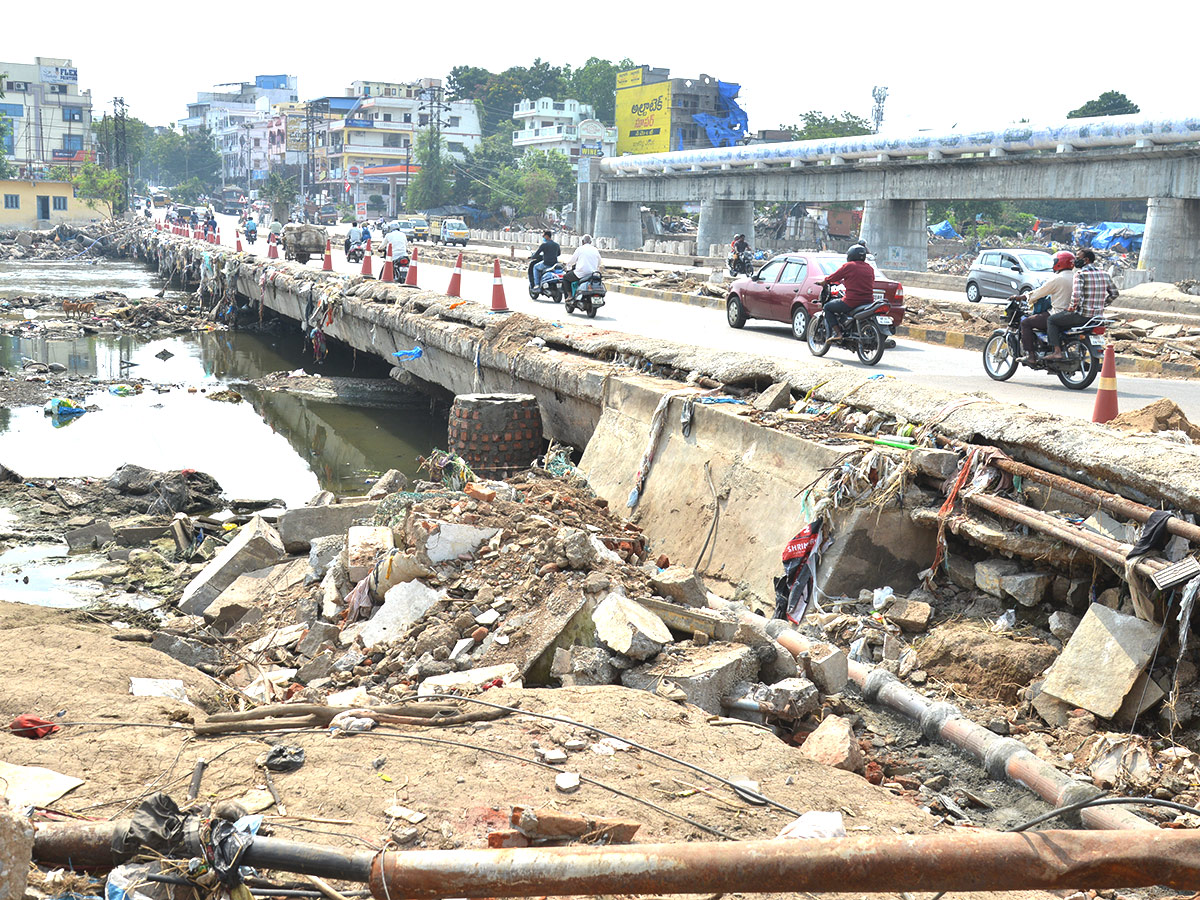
pixel 61 242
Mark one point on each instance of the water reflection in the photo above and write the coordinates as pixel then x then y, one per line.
pixel 76 278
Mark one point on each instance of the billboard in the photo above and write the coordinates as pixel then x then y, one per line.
pixel 644 118
pixel 297 134
pixel 629 78
pixel 59 75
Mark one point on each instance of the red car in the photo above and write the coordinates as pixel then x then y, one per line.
pixel 786 290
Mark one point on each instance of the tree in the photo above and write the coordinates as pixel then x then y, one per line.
pixel 467 82
pixel 595 83
pixel 281 193
pixel 98 187
pixel 173 158
pixel 137 138
pixel 1110 103
pixel 818 125
pixel 431 186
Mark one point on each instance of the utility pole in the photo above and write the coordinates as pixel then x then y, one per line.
pixel 880 96
pixel 249 153
pixel 434 105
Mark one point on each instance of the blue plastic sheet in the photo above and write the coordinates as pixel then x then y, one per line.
pixel 725 130
pixel 414 353
pixel 1123 236
pixel 944 229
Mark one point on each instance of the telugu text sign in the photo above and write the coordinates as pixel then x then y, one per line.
pixel 644 119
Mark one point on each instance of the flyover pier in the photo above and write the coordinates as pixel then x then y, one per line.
pixel 1109 158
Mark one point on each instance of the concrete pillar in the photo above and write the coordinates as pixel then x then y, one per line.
pixel 897 234
pixel 621 222
pixel 720 220
pixel 1171 245
pixel 391 195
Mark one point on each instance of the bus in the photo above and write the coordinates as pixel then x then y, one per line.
pixel 160 199
pixel 230 200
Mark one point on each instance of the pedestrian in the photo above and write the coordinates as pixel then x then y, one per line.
pixel 1093 290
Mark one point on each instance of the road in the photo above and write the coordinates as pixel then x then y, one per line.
pixel 911 361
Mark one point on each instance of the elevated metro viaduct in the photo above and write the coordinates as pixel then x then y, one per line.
pixel 1111 158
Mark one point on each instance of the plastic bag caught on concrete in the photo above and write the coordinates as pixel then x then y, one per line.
pixel 883 597
pixel 1006 622
pixel 814 824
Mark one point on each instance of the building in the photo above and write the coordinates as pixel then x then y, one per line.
pixel 49 119
pixel 567 126
pixel 217 109
pixel 42 204
pixel 657 113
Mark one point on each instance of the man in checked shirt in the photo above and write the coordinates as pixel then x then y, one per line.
pixel 1093 291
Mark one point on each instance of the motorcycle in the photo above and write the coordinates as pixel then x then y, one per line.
pixel 550 285
pixel 740 263
pixel 588 295
pixel 356 252
pixel 864 330
pixel 1081 346
pixel 251 235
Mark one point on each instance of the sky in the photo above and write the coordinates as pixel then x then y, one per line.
pixel 958 64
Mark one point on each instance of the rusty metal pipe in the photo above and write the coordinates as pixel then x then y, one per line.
pixel 965 861
pixel 1113 503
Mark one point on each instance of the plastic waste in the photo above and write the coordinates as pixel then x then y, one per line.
pixel 129 882
pixel 858 650
pixel 63 407
pixel 122 390
pixel 350 722
pixel 883 597
pixel 1006 622
pixel 814 824
pixel 414 353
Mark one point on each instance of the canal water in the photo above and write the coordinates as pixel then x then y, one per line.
pixel 273 445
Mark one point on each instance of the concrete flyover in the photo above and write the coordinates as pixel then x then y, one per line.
pixel 1111 158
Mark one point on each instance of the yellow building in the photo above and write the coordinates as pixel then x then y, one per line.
pixel 42 204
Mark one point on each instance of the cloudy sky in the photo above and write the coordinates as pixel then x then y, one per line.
pixel 944 63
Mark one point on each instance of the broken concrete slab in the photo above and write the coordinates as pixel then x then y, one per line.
pixel 322 552
pixel 792 698
pixel 988 573
pixel 1102 661
pixel 403 605
pixel 941 464
pixel 450 540
pixel 319 635
pixel 777 396
pixel 256 546
pixel 827 666
pixel 910 615
pixel 472 680
pixel 628 628
pixel 706 675
pixel 589 666
pixel 299 527
pixel 689 621
pixel 320 666
pixel 186 650
pixel 90 537
pixel 364 545
pixel 682 585
pixel 16 850
pixel 253 592
pixel 1027 588
pixel 1143 696
pixel 389 482
pixel 833 744
pixel 577 548
pixel 143 532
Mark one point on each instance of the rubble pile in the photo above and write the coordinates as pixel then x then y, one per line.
pixel 61 242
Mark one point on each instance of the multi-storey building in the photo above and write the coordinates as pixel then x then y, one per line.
pixel 567 126
pixel 657 113
pixel 47 119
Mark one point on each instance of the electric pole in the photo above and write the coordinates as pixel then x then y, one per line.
pixel 434 105
pixel 880 96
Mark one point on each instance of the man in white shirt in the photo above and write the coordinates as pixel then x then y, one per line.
pixel 398 242
pixel 583 264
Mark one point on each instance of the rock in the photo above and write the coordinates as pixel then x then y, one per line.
pixel 299 527
pixel 1144 694
pixel 433 637
pixel 364 545
pixel 471 680
pixel 253 592
pixel 451 540
pixel 777 396
pixel 404 604
pixel 910 615
pixel 319 634
pixel 256 546
pixel 1027 588
pixel 16 851
pixel 90 536
pixel 322 552
pixel 793 698
pixel 961 572
pixel 1110 598
pixel 577 548
pixel 1101 662
pixel 187 651
pixel 833 744
pixel 706 675
pixel 596 582
pixel 681 585
pixel 389 482
pixel 1063 625
pixel 942 464
pixel 1072 592
pixel 628 628
pixel 892 648
pixel 775 661
pixel 488 617
pixel 989 572
pixel 828 668
pixel 567 782
pixel 318 667
pixel 591 666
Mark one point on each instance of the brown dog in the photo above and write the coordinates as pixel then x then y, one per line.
pixel 79 308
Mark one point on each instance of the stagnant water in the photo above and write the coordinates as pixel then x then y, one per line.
pixel 272 445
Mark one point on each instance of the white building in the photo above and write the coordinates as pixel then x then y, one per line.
pixel 568 126
pixel 218 109
pixel 49 118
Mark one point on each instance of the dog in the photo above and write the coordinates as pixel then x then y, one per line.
pixel 79 308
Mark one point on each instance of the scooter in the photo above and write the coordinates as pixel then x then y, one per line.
pixel 251 233
pixel 863 330
pixel 356 252
pixel 587 295
pixel 1081 346
pixel 550 285
pixel 740 263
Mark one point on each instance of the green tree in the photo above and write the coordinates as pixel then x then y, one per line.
pixel 99 188
pixel 432 184
pixel 817 125
pixel 174 158
pixel 595 83
pixel 281 193
pixel 467 82
pixel 1110 103
pixel 486 177
pixel 137 137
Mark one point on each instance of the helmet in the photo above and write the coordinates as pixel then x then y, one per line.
pixel 1064 261
pixel 857 253
pixel 739 237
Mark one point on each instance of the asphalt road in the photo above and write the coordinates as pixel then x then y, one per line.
pixel 910 361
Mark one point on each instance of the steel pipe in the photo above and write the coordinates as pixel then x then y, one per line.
pixel 964 861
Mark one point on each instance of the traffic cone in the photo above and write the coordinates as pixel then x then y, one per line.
pixel 216 235
pixel 238 237
pixel 498 304
pixel 456 279
pixel 386 275
pixel 366 266
pixel 412 269
pixel 327 266
pixel 272 250
pixel 1105 409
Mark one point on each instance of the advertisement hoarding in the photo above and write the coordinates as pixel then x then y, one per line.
pixel 644 119
pixel 59 75
pixel 629 78
pixel 297 135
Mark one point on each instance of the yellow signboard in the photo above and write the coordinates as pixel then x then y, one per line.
pixel 629 78
pixel 296 133
pixel 644 119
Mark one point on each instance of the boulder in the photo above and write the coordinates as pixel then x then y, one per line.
pixel 833 744
pixel 628 628
pixel 299 527
pixel 1027 588
pixel 389 482
pixel 989 572
pixel 256 546
pixel 682 585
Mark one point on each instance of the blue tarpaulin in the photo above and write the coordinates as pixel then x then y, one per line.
pixel 1122 236
pixel 944 229
pixel 725 130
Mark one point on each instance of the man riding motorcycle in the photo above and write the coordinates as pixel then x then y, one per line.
pixel 251 231
pixel 739 256
pixel 581 265
pixel 859 278
pixel 543 258
pixel 1054 296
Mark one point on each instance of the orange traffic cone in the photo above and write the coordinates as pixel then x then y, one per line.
pixel 237 237
pixel 386 275
pixel 412 269
pixel 327 266
pixel 455 289
pixel 216 235
pixel 1105 409
pixel 498 304
pixel 272 250
pixel 366 266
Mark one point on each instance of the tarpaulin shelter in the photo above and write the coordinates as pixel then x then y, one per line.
pixel 1122 236
pixel 944 229
pixel 725 130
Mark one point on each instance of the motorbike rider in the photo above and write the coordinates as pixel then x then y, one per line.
pixel 1054 296
pixel 859 278
pixel 739 251
pixel 353 236
pixel 398 242
pixel 1092 291
pixel 543 258
pixel 582 264
pixel 250 229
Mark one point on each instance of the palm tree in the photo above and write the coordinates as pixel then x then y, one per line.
pixel 281 192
